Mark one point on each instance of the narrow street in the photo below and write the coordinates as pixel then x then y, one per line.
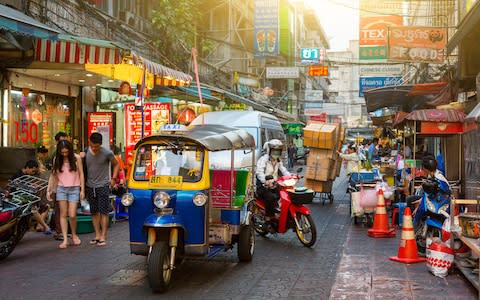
pixel 344 264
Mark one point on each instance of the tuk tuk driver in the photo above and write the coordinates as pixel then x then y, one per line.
pixel 269 168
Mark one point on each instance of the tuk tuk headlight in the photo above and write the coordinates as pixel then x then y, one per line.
pixel 200 199
pixel 127 199
pixel 161 199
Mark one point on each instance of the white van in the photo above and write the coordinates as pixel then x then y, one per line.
pixel 262 126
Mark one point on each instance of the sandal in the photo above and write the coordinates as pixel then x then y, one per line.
pixel 101 243
pixel 76 242
pixel 63 246
pixel 94 242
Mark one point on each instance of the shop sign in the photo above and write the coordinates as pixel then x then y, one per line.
pixel 373 29
pixel 318 71
pixel 441 128
pixel 313 95
pixel 372 52
pixel 381 70
pixel 265 23
pixel 155 115
pixel 312 55
pixel 367 83
pixel 308 105
pixel 313 111
pixel 104 123
pixel 417 43
pixel 282 72
pixel 239 78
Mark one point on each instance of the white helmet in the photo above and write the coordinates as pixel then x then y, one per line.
pixel 273 148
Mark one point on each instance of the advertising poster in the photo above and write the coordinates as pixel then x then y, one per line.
pixel 266 28
pixel 155 115
pixel 417 43
pixel 102 122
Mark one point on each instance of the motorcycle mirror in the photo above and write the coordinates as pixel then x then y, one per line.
pixel 299 170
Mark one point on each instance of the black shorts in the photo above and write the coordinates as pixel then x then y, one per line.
pixel 99 200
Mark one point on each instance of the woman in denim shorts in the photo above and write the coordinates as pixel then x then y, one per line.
pixel 68 171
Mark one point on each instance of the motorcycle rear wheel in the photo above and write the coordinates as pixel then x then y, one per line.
pixel 421 241
pixel 306 231
pixel 258 222
pixel 7 248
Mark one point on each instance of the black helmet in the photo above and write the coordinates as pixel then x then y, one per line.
pixel 430 186
pixel 429 163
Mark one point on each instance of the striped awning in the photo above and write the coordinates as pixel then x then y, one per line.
pixel 164 76
pixel 76 50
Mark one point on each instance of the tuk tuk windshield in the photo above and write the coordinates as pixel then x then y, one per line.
pixel 169 160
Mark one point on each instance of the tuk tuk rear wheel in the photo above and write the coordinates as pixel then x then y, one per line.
pixel 158 265
pixel 246 243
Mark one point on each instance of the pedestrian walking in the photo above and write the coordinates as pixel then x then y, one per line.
pixel 98 183
pixel 68 173
pixel 291 153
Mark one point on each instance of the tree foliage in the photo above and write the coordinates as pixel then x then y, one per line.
pixel 175 22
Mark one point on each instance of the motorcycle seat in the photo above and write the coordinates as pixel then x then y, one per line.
pixel 5 216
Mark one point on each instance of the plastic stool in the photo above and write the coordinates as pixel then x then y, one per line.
pixel 398 209
pixel 119 211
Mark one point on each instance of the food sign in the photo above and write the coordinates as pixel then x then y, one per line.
pixel 417 43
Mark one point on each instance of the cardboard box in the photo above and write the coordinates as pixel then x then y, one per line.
pixel 319 154
pixel 323 136
pixel 319 186
pixel 317 173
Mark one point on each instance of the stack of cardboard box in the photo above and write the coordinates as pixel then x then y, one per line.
pixel 323 162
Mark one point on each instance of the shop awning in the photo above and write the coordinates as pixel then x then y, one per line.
pixel 408 97
pixel 436 115
pixel 16 22
pixel 110 59
pixel 78 50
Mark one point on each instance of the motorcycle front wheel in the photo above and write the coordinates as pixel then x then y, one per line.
pixel 424 232
pixel 306 230
pixel 7 246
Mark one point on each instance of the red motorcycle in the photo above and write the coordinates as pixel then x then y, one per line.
pixel 291 214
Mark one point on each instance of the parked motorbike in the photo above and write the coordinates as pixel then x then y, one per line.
pixel 431 213
pixel 16 211
pixel 292 214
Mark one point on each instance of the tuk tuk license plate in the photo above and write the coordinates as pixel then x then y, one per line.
pixel 162 182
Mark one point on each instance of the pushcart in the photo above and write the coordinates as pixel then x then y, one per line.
pixel 321 188
pixel 357 181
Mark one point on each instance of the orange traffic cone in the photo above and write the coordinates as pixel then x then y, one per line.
pixel 407 252
pixel 380 221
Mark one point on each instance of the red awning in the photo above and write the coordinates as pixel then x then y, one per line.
pixel 77 50
pixel 437 115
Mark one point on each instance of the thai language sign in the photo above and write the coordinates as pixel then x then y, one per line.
pixel 155 115
pixel 102 122
pixel 266 28
pixel 367 83
pixel 312 55
pixel 318 71
pixel 282 72
pixel 416 43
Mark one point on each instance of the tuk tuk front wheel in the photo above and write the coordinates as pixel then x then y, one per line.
pixel 158 265
pixel 246 243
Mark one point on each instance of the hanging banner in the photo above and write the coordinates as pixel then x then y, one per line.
pixel 156 115
pixel 266 28
pixel 417 43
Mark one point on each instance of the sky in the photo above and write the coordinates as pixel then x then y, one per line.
pixel 339 19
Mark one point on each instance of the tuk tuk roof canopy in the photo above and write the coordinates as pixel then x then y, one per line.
pixel 212 137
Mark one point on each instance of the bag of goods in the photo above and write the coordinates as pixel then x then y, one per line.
pixel 439 258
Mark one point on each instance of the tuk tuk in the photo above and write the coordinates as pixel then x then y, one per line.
pixel 181 207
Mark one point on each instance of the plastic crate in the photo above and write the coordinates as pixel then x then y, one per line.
pixel 359 177
pixel 84 223
pixel 221 191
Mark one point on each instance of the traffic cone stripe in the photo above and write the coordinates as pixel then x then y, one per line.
pixel 408 235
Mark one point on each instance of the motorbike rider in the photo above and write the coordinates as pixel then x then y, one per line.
pixel 436 185
pixel 269 168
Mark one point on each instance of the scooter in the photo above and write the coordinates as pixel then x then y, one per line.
pixel 431 213
pixel 16 211
pixel 293 214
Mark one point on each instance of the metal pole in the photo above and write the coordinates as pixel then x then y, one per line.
pixel 412 189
